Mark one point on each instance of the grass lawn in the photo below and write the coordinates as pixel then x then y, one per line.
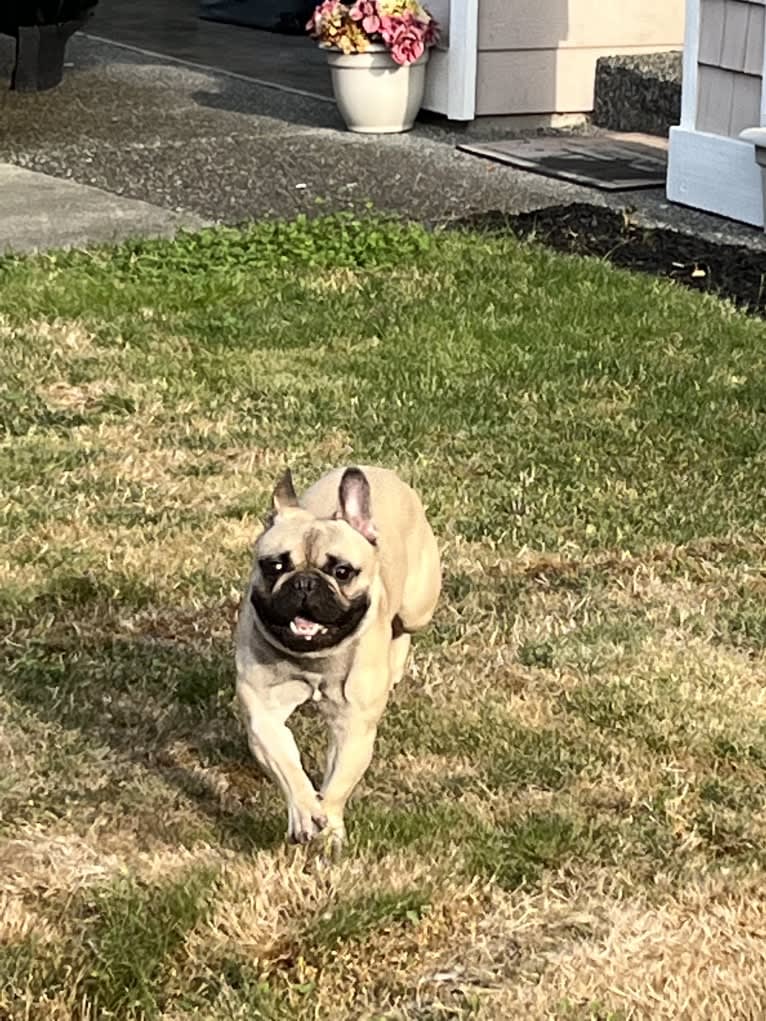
pixel 565 817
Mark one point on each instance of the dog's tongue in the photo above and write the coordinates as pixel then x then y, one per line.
pixel 304 627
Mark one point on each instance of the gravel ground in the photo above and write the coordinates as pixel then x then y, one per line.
pixel 227 149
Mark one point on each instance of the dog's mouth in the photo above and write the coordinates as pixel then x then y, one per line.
pixel 307 629
pixel 296 626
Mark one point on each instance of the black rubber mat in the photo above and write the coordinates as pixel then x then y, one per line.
pixel 597 162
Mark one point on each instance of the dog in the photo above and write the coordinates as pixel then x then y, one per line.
pixel 340 581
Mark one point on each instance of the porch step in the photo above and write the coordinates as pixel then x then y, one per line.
pixel 638 93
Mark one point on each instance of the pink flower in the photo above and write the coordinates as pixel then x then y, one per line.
pixel 405 27
pixel 407 41
pixel 431 36
pixel 388 25
pixel 366 11
pixel 314 24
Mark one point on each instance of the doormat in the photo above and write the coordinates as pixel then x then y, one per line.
pixel 597 162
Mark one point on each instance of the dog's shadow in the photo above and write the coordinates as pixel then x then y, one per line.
pixel 156 692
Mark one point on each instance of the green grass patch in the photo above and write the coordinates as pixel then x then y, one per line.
pixel 518 851
pixel 354 921
pixel 132 935
pixel 622 706
pixel 504 753
pixel 423 826
pixel 633 415
pixel 337 241
pixel 123 939
pixel 590 445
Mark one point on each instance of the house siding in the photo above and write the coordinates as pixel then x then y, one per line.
pixel 730 65
pixel 539 56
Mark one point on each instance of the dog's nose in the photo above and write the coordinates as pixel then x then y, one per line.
pixel 305 583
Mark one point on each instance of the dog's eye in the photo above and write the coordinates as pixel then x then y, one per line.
pixel 273 567
pixel 343 572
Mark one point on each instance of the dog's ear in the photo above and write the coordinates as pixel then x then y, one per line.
pixel 284 496
pixel 354 499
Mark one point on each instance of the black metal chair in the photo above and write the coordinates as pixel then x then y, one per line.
pixel 41 29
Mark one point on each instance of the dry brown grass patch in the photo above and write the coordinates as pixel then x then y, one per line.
pixel 706 676
pixel 586 944
pixel 84 397
pixel 273 913
pixel 19 920
pixel 161 560
pixel 336 281
pixel 700 954
pixel 266 902
pixel 68 337
pixel 44 864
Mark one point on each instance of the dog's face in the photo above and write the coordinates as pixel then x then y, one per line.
pixel 312 578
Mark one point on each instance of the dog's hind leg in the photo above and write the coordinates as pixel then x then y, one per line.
pixel 400 648
pixel 422 587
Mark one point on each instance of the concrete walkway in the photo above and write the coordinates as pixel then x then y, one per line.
pixel 191 144
pixel 38 212
pixel 174 27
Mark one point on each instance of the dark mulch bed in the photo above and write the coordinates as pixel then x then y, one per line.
pixel 730 271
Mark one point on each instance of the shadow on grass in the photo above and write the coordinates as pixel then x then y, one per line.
pixel 156 689
pixel 156 692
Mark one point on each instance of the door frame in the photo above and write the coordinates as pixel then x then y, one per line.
pixel 451 77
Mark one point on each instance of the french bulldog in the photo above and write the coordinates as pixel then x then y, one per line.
pixel 340 581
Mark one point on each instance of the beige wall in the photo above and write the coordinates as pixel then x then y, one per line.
pixel 730 65
pixel 539 56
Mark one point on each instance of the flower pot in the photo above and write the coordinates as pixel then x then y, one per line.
pixel 375 95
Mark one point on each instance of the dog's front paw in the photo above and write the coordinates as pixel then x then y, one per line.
pixel 334 837
pixel 306 823
pixel 334 833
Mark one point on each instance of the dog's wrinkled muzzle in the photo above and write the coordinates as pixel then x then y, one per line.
pixel 307 614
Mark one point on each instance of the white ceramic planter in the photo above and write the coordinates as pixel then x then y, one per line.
pixel 375 95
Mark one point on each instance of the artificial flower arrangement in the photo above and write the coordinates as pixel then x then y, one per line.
pixel 404 27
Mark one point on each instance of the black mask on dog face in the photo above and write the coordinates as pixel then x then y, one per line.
pixel 306 614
